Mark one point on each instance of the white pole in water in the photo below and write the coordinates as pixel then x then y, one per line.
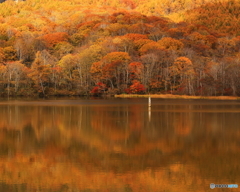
pixel 149 108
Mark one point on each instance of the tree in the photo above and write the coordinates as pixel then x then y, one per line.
pixel 225 46
pixel 150 47
pixel 126 42
pixel 171 43
pixel 15 75
pixel 139 43
pixel 54 38
pixel 40 74
pixel 98 89
pixel 113 68
pixel 85 63
pixel 63 48
pixel 182 71
pixel 68 65
pixel 10 53
pixel 137 87
pixel 135 70
pixel 2 76
pixel 2 56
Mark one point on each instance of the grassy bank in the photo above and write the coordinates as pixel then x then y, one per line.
pixel 169 96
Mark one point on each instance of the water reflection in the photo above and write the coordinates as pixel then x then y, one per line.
pixel 100 145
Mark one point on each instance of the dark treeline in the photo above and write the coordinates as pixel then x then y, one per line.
pixel 68 49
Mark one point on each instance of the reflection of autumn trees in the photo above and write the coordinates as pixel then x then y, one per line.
pixel 125 127
pixel 115 142
pixel 183 124
pixel 38 174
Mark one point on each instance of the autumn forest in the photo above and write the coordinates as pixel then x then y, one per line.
pixel 75 47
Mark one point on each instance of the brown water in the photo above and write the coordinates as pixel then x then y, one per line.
pixel 119 145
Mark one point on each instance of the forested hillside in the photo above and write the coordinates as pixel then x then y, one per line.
pixel 124 46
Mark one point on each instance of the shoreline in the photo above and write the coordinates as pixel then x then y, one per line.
pixel 170 96
pixel 160 96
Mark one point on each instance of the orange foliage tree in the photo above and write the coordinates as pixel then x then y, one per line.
pixel 182 71
pixel 54 38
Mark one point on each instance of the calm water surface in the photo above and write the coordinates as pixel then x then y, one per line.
pixel 118 145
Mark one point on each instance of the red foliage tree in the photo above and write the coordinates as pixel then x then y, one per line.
pixel 137 87
pixel 135 69
pixel 55 38
pixel 98 89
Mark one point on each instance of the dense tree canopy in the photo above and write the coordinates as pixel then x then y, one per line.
pixel 68 48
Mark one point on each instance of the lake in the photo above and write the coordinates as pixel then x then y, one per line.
pixel 118 145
